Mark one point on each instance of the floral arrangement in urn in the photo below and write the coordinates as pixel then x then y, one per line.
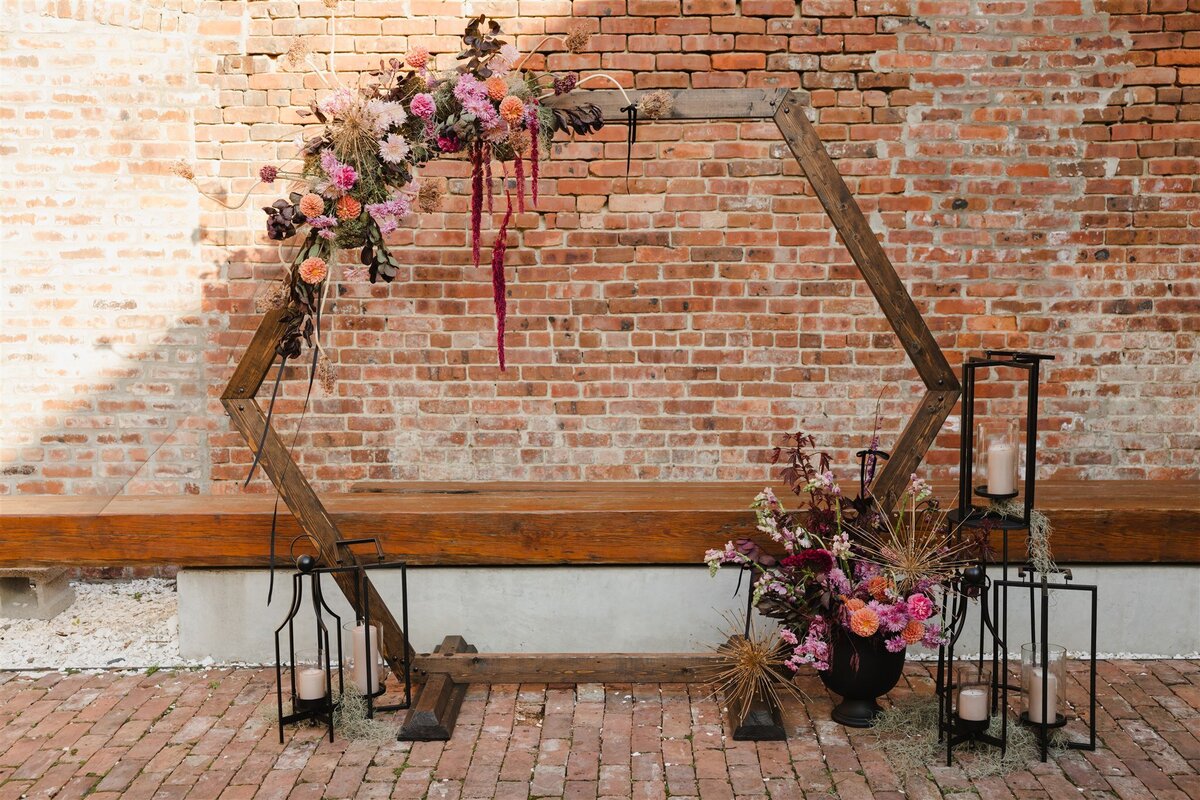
pixel 356 178
pixel 844 571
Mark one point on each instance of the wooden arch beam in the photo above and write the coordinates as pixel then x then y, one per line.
pixel 786 108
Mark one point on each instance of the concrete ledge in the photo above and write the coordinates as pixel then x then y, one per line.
pixel 223 613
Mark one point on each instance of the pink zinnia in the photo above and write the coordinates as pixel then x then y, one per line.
pixel 344 177
pixel 422 105
pixel 920 607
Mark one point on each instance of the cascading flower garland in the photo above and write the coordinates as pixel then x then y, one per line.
pixel 360 171
pixel 357 179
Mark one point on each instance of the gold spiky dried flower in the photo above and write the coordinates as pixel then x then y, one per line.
pixel 429 196
pixel 326 374
pixel 183 169
pixel 577 38
pixel 297 52
pixel 274 297
pixel 656 104
pixel 753 667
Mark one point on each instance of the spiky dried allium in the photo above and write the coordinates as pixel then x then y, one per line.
pixel 752 667
pixel 297 52
pixel 914 546
pixel 331 3
pixel 429 196
pixel 656 104
pixel 576 40
pixel 326 374
pixel 354 138
pixel 183 169
pixel 274 297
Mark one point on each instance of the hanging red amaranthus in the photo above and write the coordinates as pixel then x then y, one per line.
pixel 519 170
pixel 476 197
pixel 499 294
pixel 534 156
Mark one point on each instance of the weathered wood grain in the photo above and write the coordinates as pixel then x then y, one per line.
pixel 688 104
pixel 902 314
pixel 1106 522
pixel 572 667
pixel 432 717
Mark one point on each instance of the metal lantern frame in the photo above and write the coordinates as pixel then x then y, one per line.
pixel 1030 363
pixel 362 586
pixel 322 710
pixel 974 582
pixel 1041 587
pixel 304 710
pixel 957 595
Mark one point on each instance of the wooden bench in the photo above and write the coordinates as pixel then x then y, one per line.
pixel 1095 522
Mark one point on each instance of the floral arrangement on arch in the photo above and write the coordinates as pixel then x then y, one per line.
pixel 356 178
pixel 845 563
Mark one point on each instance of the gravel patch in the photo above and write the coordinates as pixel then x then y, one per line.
pixel 125 625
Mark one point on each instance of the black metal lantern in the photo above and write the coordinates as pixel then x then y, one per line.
pixel 990 452
pixel 1044 681
pixel 310 680
pixel 970 693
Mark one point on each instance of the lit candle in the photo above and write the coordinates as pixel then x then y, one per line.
pixel 1001 467
pixel 1034 706
pixel 310 683
pixel 973 704
pixel 362 658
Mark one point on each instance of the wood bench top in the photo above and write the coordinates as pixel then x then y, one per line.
pixel 539 523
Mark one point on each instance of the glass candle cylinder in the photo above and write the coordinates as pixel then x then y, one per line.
pixel 973 699
pixel 996 457
pixel 1043 685
pixel 362 654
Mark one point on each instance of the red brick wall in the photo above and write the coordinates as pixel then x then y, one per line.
pixel 1030 165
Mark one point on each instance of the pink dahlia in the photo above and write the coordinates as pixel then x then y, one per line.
pixel 313 270
pixel 422 106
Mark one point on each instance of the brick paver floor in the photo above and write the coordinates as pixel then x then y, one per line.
pixel 209 734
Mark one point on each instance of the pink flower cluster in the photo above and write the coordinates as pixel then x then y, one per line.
pixel 341 176
pixel 472 94
pixel 388 213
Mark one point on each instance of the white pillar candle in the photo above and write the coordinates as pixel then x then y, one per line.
pixel 1034 706
pixel 310 683
pixel 362 658
pixel 1001 467
pixel 973 704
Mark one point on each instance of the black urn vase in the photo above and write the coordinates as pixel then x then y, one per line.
pixel 860 670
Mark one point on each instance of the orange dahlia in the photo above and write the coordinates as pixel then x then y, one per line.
pixel 312 205
pixel 496 87
pixel 913 632
pixel 313 270
pixel 512 109
pixel 854 604
pixel 348 208
pixel 878 587
pixel 864 622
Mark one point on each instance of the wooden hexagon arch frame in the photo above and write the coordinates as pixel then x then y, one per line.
pixel 786 108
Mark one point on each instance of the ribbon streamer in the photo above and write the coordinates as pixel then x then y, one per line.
pixel 631 118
